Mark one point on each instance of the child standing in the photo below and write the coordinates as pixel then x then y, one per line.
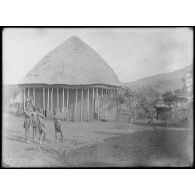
pixel 27 123
pixel 58 126
pixel 41 126
pixel 35 123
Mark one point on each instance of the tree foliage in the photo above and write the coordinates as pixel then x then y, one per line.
pixel 140 101
pixel 169 98
pixel 147 98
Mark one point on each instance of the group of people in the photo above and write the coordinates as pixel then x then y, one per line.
pixel 34 119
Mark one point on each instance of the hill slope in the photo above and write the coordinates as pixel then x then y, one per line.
pixel 167 81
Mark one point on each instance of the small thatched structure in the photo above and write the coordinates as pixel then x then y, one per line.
pixel 74 80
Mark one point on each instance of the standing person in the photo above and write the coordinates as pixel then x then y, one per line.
pixel 41 126
pixel 58 125
pixel 151 116
pixel 132 119
pixel 27 123
pixel 34 123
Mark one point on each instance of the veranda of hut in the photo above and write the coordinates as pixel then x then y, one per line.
pixel 76 103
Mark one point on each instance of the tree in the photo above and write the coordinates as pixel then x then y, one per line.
pixel 188 85
pixel 147 98
pixel 188 89
pixel 126 97
pixel 140 101
pixel 169 98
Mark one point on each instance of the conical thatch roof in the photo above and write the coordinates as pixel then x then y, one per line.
pixel 72 63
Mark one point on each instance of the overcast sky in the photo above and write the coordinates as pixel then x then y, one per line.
pixel 133 53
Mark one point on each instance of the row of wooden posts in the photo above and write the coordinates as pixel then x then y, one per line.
pixel 108 92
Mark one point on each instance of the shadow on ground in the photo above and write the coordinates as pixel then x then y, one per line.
pixel 140 149
pixel 16 138
pixel 108 133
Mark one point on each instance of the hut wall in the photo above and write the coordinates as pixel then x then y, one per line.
pixel 78 109
pixel 61 101
pixel 96 102
pixel 107 104
pixel 49 111
pixel 91 105
pixel 65 104
pixel 71 105
pixel 39 98
pixel 31 92
pixel 54 99
pixel 46 99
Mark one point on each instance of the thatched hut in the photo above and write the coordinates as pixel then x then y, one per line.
pixel 74 80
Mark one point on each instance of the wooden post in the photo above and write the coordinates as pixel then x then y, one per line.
pixel 82 104
pixel 63 101
pixel 44 101
pixel 102 99
pixel 67 96
pixel 34 96
pixel 93 106
pixel 97 104
pixel 24 99
pixel 88 105
pixel 48 99
pixel 75 111
pixel 57 99
pixel 52 101
pixel 105 106
pixel 117 101
pixel 28 92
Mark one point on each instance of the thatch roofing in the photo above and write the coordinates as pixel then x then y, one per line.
pixel 72 63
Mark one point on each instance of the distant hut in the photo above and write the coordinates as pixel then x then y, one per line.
pixel 18 100
pixel 74 80
pixel 162 110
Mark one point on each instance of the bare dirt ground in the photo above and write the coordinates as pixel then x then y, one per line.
pixel 97 144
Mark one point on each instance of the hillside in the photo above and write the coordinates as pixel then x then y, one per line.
pixel 167 81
